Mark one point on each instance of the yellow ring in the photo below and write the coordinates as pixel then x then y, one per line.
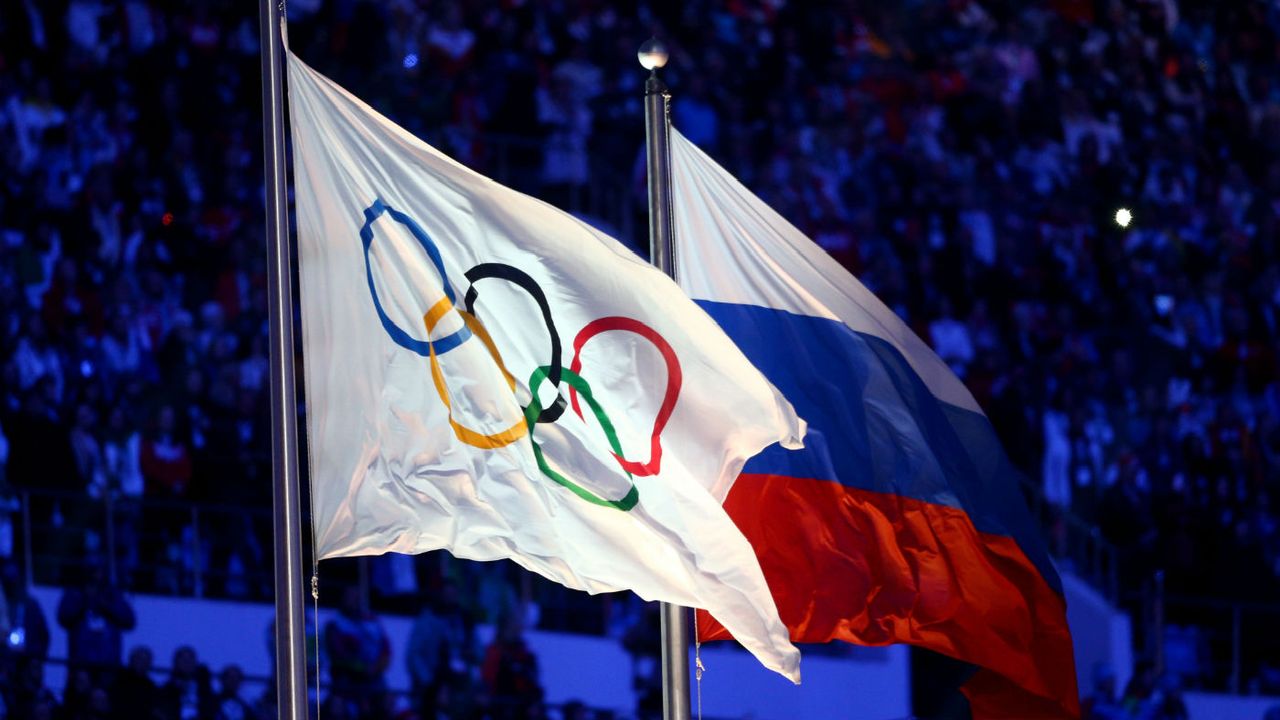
pixel 467 435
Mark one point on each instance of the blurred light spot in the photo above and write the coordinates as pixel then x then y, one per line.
pixel 166 219
pixel 1124 217
pixel 410 61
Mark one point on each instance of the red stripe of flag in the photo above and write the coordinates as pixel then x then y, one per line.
pixel 874 569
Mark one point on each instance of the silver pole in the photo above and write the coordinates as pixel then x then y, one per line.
pixel 658 155
pixel 675 662
pixel 675 620
pixel 291 658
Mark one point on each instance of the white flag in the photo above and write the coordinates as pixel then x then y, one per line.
pixel 489 375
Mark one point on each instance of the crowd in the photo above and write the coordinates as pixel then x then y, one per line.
pixel 967 159
pixel 100 685
pixel 452 675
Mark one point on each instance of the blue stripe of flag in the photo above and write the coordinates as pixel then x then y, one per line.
pixel 874 425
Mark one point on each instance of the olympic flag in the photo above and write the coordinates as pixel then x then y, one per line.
pixel 487 374
pixel 901 520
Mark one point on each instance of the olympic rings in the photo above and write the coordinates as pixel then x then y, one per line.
pixel 531 413
pixel 466 435
pixel 524 282
pixel 675 378
pixel 402 338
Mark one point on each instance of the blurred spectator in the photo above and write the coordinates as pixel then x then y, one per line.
pixel 134 693
pixel 166 458
pixel 123 346
pixel 575 710
pixel 23 625
pixel 188 695
pixel 122 457
pixel 696 117
pixel 82 699
pixel 87 452
pixel 1057 458
pixel 40 453
pixel 1166 702
pixel 1101 703
pixel 4 456
pixel 28 697
pixel 36 358
pixel 440 656
pixel 566 119
pixel 228 703
pixel 642 641
pixel 95 616
pixel 950 339
pixel 166 463
pixel 122 467
pixel 510 674
pixel 358 651
pixel 1140 688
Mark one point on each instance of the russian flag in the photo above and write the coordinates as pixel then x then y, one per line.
pixel 901 521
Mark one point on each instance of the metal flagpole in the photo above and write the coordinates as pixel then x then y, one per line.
pixel 291 676
pixel 675 619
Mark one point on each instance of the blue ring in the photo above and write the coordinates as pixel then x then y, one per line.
pixel 402 338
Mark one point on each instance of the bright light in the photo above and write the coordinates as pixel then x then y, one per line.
pixel 1124 217
pixel 410 61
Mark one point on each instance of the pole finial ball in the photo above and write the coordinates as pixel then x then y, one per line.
pixel 653 54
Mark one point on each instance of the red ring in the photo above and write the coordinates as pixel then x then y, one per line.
pixel 674 379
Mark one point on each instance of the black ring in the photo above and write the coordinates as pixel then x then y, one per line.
pixel 518 277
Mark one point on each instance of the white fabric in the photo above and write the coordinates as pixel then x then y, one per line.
pixel 718 219
pixel 388 472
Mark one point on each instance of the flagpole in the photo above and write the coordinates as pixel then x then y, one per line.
pixel 291 677
pixel 675 619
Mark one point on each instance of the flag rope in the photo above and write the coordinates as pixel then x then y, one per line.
pixel 315 604
pixel 698 667
pixel 315 561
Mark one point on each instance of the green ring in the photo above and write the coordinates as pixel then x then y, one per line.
pixel 531 413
